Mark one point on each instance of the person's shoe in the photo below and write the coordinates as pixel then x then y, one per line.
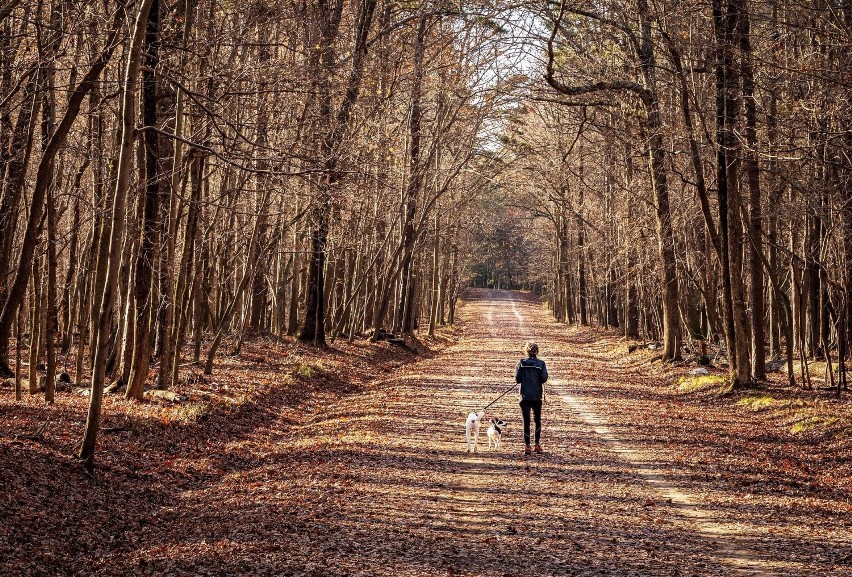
pixel 527 450
pixel 538 448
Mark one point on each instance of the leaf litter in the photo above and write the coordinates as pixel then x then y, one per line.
pixel 350 461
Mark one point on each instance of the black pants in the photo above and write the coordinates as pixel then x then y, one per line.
pixel 535 405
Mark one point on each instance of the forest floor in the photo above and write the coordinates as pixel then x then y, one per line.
pixel 351 461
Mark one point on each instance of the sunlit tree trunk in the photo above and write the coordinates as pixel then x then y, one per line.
pixel 150 225
pixel 665 237
pixel 101 338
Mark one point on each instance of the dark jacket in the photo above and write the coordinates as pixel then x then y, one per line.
pixel 531 373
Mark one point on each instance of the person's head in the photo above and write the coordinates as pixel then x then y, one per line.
pixel 531 349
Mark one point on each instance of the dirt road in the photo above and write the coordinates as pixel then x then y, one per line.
pixel 379 483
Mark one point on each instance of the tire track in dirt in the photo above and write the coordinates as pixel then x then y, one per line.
pixel 739 560
pixel 743 534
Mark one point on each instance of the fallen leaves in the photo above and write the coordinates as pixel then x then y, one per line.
pixel 350 461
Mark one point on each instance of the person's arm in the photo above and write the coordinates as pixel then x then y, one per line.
pixel 518 373
pixel 543 373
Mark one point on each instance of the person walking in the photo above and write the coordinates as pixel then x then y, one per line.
pixel 531 374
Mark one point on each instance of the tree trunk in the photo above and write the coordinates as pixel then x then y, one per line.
pixel 50 304
pixel 313 326
pixel 35 326
pixel 433 289
pixel 582 289
pixel 724 19
pixel 101 338
pixel 847 273
pixel 19 331
pixel 150 224
pixel 742 375
pixel 812 289
pixel 656 150
pixel 187 259
pixel 293 302
pixel 68 306
pixel 415 180
pixel 774 201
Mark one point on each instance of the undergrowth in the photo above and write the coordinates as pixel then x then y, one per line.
pixel 800 415
pixel 692 383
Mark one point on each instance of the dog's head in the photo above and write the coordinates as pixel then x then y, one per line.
pixel 499 424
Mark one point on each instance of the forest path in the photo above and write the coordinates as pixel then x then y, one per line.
pixel 379 483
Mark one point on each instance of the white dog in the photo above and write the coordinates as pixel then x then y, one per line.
pixel 496 432
pixel 472 426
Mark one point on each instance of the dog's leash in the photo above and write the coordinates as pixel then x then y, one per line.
pixel 503 394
